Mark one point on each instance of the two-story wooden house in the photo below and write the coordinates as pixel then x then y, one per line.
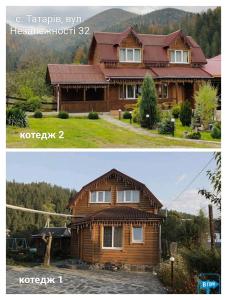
pixel 118 63
pixel 117 221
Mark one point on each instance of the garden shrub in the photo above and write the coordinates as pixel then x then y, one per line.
pixel 63 115
pixel 136 111
pixel 203 260
pixel 186 113
pixel 166 127
pixel 93 115
pixel 193 135
pixel 33 104
pixel 38 114
pixel 216 131
pixel 176 111
pixel 206 103
pixel 16 117
pixel 127 115
pixel 183 282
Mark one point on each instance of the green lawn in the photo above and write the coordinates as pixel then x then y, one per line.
pixel 84 133
pixel 179 131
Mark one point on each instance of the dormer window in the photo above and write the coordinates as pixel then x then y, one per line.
pixel 179 56
pixel 128 196
pixel 131 55
pixel 100 197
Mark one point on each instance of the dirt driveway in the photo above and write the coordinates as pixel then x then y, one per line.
pixel 20 280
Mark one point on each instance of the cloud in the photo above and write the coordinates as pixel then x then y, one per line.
pixel 191 202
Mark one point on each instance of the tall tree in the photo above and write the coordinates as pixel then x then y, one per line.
pixel 148 104
pixel 215 180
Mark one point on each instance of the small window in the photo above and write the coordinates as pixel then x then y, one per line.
pixel 172 56
pixel 137 234
pixel 122 54
pixel 162 91
pixel 112 237
pixel 130 55
pixel 178 56
pixel 100 197
pixel 130 92
pixel 185 56
pixel 137 55
pixel 128 196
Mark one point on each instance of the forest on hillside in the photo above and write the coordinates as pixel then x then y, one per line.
pixel 39 196
pixel 28 56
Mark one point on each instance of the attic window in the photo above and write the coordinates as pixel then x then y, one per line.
pixel 128 196
pixel 100 197
pixel 130 55
pixel 179 56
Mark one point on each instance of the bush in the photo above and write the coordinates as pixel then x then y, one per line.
pixel 183 282
pixel 127 115
pixel 176 111
pixel 136 111
pixel 193 135
pixel 206 103
pixel 33 104
pixel 216 131
pixel 186 113
pixel 93 115
pixel 38 114
pixel 203 260
pixel 16 117
pixel 166 127
pixel 63 115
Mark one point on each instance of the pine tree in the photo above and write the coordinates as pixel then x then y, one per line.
pixel 148 105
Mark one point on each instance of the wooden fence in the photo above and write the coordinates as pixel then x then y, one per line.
pixel 10 101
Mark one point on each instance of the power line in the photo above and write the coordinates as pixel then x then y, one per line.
pixel 193 180
pixel 38 211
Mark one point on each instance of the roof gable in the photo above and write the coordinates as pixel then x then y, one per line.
pixel 121 176
pixel 153 45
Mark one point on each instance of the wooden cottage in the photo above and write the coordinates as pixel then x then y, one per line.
pixel 117 221
pixel 117 65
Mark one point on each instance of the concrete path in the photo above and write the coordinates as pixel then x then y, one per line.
pixel 143 131
pixel 82 282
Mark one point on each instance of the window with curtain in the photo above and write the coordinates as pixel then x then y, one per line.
pixel 112 237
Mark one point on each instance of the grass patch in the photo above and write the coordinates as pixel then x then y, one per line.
pixel 179 131
pixel 84 133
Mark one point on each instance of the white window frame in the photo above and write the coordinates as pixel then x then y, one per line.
pixel 131 196
pixel 112 248
pixel 126 92
pixel 182 56
pixel 97 197
pixel 126 55
pixel 138 241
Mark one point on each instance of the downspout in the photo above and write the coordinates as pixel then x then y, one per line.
pixel 58 96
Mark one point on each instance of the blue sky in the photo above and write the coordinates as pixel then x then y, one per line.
pixel 166 174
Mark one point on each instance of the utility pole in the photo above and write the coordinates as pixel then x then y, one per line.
pixel 211 221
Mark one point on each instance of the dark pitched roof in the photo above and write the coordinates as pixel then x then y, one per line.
pixel 117 174
pixel 74 74
pixel 123 213
pixel 127 72
pixel 213 66
pixel 153 45
pixel 181 72
pixel 55 232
